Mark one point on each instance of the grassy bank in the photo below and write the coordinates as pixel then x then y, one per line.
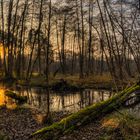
pixel 104 81
pixel 93 81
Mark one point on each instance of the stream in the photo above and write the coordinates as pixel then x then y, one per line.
pixel 39 98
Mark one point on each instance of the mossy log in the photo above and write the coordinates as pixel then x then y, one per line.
pixel 18 98
pixel 86 115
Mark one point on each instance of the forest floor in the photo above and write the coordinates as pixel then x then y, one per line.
pixel 18 124
pixel 114 126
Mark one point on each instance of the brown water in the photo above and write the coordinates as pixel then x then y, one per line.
pixel 61 102
pixel 71 102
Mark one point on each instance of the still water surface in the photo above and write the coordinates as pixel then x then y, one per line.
pixel 71 102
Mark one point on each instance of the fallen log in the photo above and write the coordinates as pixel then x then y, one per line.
pixel 86 115
pixel 18 98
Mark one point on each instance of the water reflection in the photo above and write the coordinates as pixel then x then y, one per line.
pixel 6 101
pixel 71 102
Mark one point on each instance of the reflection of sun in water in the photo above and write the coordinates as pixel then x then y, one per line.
pixel 2 97
pixel 1 51
pixel 9 103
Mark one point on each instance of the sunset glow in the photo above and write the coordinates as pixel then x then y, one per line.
pixel 69 69
pixel 2 97
pixel 1 51
pixel 5 101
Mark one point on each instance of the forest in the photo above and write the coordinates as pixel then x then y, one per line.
pixel 69 69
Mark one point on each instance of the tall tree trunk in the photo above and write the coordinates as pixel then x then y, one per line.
pixel 83 43
pixel 39 31
pixel 21 40
pixel 63 46
pixel 90 36
pixel 48 59
pixel 9 39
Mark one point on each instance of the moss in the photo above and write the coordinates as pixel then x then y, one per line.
pixel 90 113
pixel 20 99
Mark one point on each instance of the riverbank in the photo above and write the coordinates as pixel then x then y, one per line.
pixel 73 82
pixel 94 81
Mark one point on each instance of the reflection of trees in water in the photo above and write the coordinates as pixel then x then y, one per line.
pixel 89 97
pixel 43 100
pixel 63 100
pixel 37 97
